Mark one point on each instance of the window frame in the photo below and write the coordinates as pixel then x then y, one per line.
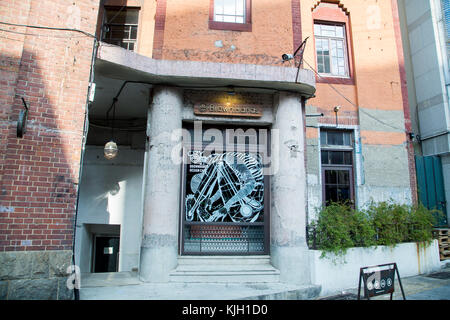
pixel 231 26
pixel 350 168
pixel 335 15
pixel 128 41
pixel 345 48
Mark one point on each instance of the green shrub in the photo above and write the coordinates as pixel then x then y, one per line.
pixel 389 221
pixel 333 233
pixel 339 227
pixel 421 221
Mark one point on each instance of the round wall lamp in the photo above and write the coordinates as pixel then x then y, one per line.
pixel 110 150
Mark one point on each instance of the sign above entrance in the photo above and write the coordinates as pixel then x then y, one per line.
pixel 229 103
pixel 227 109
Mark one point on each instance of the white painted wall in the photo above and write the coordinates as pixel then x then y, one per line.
pixel 111 194
pixel 336 276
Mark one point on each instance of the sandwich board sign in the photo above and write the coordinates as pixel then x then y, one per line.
pixel 379 280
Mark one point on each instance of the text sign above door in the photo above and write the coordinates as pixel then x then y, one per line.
pixel 217 109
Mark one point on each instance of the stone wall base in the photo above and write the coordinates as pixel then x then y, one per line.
pixel 35 275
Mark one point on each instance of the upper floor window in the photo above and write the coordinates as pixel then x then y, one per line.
pixel 230 15
pixel 229 11
pixel 120 26
pixel 331 49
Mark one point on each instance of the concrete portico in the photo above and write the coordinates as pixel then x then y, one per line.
pixel 288 216
pixel 162 187
pixel 171 85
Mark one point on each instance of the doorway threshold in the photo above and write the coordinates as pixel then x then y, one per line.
pixel 109 279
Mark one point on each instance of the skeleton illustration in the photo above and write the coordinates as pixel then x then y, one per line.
pixel 231 186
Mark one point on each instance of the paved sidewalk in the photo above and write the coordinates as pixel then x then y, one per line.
pixel 435 286
pixel 126 286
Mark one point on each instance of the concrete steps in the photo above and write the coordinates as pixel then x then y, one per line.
pixel 229 269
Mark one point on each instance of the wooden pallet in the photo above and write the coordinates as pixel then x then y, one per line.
pixel 443 236
pixel 441 232
pixel 444 240
pixel 444 256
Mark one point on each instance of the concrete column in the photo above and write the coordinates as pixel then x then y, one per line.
pixel 159 250
pixel 289 251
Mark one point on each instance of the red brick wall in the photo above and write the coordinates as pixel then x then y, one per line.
pixel 50 70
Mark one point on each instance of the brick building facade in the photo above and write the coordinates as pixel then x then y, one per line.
pixel 50 70
pixel 179 56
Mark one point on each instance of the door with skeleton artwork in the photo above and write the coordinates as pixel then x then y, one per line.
pixel 225 192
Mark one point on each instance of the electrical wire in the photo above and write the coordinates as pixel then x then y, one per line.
pixel 352 103
pixel 40 35
pixel 49 28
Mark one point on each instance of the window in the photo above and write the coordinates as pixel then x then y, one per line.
pixel 337 166
pixel 230 15
pixel 120 27
pixel 331 49
pixel 229 11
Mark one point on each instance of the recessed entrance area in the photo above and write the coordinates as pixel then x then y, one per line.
pixel 109 220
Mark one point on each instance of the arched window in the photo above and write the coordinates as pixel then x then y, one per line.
pixel 332 42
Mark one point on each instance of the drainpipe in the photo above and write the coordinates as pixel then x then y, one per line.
pixel 83 148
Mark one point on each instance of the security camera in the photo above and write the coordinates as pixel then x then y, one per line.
pixel 287 57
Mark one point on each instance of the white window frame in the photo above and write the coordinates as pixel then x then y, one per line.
pixel 220 4
pixel 343 39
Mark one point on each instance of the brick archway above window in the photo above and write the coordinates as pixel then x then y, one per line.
pixel 333 12
pixel 330 3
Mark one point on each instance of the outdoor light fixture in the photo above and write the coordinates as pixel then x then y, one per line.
pixel 301 48
pixel 287 56
pixel 230 91
pixel 336 110
pixel 110 150
pixel 22 121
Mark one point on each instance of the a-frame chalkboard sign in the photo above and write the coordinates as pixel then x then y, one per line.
pixel 379 280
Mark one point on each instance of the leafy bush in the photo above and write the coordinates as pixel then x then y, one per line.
pixel 340 227
pixel 390 222
pixel 332 232
pixel 421 221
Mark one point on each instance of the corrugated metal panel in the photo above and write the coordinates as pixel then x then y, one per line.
pixel 430 183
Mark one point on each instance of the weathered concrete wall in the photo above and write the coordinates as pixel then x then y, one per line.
pixel 159 250
pixel 288 249
pixel 342 273
pixel 35 275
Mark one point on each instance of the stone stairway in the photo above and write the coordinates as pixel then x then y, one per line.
pixel 229 269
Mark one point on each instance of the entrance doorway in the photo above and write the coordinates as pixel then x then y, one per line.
pixel 225 209
pixel 106 253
